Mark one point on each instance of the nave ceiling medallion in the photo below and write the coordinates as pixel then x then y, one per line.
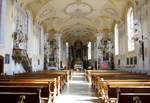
pixel 78 9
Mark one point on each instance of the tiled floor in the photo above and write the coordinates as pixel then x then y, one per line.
pixel 77 91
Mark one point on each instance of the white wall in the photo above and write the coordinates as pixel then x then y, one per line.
pixel 140 14
pixel 148 25
pixel 7 46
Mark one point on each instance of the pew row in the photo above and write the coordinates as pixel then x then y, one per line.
pixel 123 92
pixel 89 73
pixel 121 87
pixel 35 87
pixel 39 89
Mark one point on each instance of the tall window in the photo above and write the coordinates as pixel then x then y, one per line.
pixel 0 19
pixel 130 29
pixel 67 50
pixel 89 50
pixel 116 40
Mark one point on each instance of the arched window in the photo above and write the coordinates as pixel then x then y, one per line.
pixel 89 50
pixel 130 29
pixel 116 40
pixel 67 50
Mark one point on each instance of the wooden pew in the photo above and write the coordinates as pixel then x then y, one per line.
pixel 124 88
pixel 124 91
pixel 96 76
pixel 66 73
pixel 89 72
pixel 115 75
pixel 64 76
pixel 59 81
pixel 33 81
pixel 40 89
pixel 121 86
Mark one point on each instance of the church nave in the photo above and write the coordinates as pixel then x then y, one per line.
pixel 74 51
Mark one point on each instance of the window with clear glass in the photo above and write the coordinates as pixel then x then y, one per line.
pixel 89 50
pixel 116 40
pixel 130 29
pixel 67 49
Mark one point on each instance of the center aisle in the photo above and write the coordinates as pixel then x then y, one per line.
pixel 77 91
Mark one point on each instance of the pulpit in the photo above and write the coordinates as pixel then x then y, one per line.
pixel 19 54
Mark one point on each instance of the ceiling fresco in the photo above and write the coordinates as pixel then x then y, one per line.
pixel 76 19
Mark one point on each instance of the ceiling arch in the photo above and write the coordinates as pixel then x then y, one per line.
pixel 79 31
pixel 65 15
pixel 47 11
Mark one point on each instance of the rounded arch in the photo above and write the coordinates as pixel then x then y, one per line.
pixel 130 25
pixel 130 12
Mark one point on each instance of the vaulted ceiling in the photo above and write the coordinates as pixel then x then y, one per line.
pixel 76 19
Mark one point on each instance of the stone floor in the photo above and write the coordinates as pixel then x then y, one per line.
pixel 77 91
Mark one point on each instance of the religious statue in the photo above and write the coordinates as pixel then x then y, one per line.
pixel 20 39
pixel 109 47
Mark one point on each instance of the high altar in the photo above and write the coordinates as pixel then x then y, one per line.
pixel 78 64
pixel 78 54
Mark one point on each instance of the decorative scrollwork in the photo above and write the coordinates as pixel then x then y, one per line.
pixel 78 9
pixel 19 38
